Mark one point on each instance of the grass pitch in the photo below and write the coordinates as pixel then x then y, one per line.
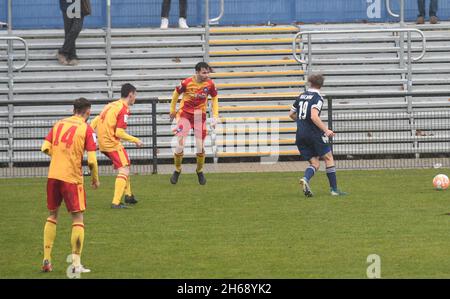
pixel 251 225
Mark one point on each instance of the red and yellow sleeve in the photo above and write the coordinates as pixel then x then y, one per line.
pixel 215 100
pixel 94 122
pixel 122 118
pixel 46 147
pixel 90 146
pixel 124 136
pixel 173 103
pixel 182 87
pixel 91 140
pixel 93 166
pixel 215 106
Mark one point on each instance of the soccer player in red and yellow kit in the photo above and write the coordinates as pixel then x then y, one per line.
pixel 110 126
pixel 65 144
pixel 192 114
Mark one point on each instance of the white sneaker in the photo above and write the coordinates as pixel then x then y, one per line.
pixel 80 269
pixel 305 187
pixel 164 23
pixel 182 23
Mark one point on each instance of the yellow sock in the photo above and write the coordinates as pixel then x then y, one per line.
pixel 128 187
pixel 200 162
pixel 49 238
pixel 121 184
pixel 77 241
pixel 178 158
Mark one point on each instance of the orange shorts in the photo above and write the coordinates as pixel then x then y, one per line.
pixel 74 195
pixel 119 158
pixel 187 121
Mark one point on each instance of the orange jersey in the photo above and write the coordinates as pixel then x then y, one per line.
pixel 69 139
pixel 195 95
pixel 114 115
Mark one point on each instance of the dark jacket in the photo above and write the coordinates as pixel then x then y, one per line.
pixel 85 6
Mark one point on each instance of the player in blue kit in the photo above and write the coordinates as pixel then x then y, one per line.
pixel 312 135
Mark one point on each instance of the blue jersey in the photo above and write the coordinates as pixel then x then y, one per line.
pixel 310 140
pixel 303 106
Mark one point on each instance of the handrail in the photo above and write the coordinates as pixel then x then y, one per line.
pixel 402 10
pixel 9 16
pixel 215 21
pixel 208 22
pixel 207 33
pixel 26 50
pixel 309 33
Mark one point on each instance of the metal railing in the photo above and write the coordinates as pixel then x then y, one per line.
pixel 23 155
pixel 108 37
pixel 215 21
pixel 10 54
pixel 425 153
pixel 9 16
pixel 309 62
pixel 206 57
pixel 400 15
pixel 208 22
pixel 406 74
pixel 11 69
pixel 108 42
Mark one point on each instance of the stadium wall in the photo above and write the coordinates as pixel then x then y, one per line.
pixel 28 14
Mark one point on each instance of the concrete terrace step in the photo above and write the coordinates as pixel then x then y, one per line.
pixel 223 84
pixel 101 43
pixel 115 32
pixel 254 70
pixel 441 70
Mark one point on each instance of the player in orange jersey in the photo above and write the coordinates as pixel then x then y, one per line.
pixel 65 144
pixel 192 115
pixel 110 126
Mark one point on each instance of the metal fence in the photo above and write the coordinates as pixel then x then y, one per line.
pixel 390 137
pixel 21 140
pixel 367 138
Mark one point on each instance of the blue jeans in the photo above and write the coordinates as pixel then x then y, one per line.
pixel 433 7
pixel 72 28
pixel 165 9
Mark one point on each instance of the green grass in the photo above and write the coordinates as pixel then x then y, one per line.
pixel 252 225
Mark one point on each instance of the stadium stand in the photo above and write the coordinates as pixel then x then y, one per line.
pixel 257 79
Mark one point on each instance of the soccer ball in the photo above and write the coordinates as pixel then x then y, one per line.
pixel 440 182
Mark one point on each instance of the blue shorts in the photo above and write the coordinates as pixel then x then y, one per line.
pixel 312 146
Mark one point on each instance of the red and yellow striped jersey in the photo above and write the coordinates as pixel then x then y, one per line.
pixel 114 115
pixel 195 94
pixel 69 138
